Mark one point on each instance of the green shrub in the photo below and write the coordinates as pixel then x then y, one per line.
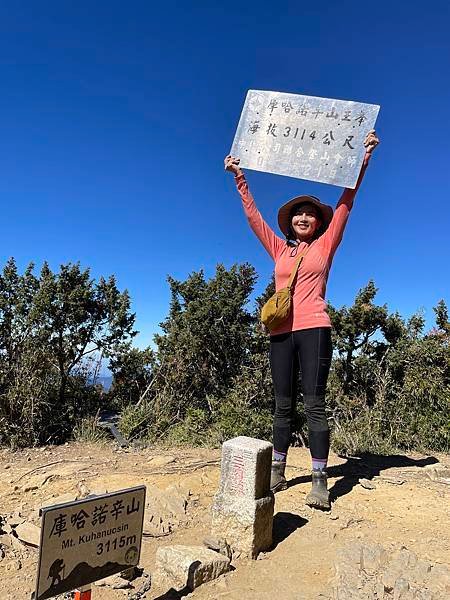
pixel 87 430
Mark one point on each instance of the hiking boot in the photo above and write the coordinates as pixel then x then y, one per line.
pixel 277 478
pixel 319 496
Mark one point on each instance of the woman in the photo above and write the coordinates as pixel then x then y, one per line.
pixel 303 341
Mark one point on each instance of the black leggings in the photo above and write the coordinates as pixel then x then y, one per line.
pixel 307 350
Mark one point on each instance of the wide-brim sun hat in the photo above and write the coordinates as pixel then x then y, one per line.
pixel 284 214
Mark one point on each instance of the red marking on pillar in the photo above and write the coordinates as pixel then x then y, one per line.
pixel 83 595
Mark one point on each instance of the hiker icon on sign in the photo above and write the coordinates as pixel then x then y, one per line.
pixel 56 568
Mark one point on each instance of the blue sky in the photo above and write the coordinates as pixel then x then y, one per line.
pixel 115 118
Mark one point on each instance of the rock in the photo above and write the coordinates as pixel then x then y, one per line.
pixel 368 485
pixel 390 576
pixel 29 534
pixel 438 473
pixel 421 571
pixel 121 584
pixel 373 558
pixel 439 580
pixel 7 528
pixel 348 560
pixel 401 588
pixel 145 587
pixel 97 492
pixel 369 571
pixel 130 574
pixel 405 559
pixel 15 519
pixel 116 582
pixel 10 541
pixel 165 510
pixel 83 490
pixel 176 500
pixel 156 526
pixel 423 594
pixel 218 545
pixel 190 566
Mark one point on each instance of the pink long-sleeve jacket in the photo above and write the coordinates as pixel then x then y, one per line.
pixel 308 298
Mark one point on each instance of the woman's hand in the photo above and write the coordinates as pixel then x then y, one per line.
pixel 232 164
pixel 371 141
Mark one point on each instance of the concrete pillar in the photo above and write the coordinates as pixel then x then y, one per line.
pixel 242 512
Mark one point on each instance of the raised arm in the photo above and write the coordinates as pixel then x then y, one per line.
pixel 333 235
pixel 271 242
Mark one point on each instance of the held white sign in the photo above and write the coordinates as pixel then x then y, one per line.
pixel 307 137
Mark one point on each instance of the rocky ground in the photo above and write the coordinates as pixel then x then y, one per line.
pixel 386 537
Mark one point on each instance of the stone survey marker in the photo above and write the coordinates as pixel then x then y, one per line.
pixel 189 566
pixel 86 540
pixel 307 137
pixel 242 512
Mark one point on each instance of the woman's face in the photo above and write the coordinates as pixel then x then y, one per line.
pixel 305 221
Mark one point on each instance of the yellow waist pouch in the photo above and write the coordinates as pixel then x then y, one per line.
pixel 277 308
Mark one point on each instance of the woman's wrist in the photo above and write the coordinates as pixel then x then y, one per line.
pixel 238 173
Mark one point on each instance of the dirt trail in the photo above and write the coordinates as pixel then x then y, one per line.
pixel 407 513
